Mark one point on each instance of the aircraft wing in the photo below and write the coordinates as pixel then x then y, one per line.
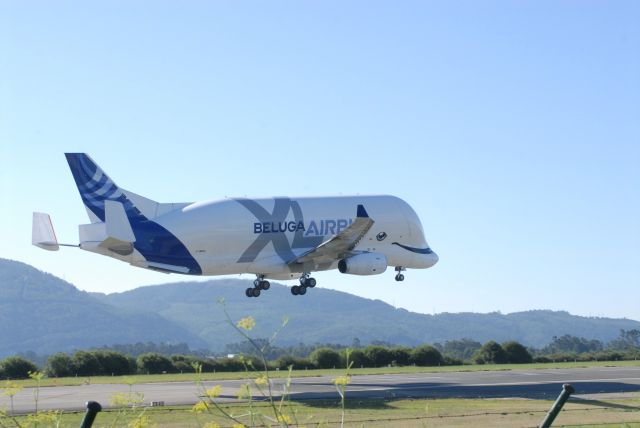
pixel 339 246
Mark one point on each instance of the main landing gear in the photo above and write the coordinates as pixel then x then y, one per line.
pixel 305 282
pixel 399 275
pixel 259 284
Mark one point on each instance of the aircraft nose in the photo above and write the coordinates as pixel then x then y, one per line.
pixel 434 258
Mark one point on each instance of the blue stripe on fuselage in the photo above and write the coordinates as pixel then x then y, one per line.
pixel 413 249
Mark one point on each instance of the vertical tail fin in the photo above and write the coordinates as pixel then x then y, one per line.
pixel 96 187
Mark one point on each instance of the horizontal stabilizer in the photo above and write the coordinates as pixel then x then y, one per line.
pixel 162 267
pixel 42 234
pixel 117 223
pixel 124 248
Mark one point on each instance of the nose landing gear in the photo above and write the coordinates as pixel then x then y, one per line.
pixel 399 275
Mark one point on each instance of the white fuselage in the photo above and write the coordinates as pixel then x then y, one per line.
pixel 260 236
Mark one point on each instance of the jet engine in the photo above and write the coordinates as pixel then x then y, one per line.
pixel 363 264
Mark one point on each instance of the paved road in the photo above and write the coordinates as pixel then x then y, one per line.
pixel 588 382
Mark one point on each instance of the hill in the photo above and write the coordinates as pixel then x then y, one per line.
pixel 328 316
pixel 42 313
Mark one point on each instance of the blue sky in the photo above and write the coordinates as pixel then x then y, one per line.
pixel 512 128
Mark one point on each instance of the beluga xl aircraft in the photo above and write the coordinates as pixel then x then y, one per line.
pixel 276 238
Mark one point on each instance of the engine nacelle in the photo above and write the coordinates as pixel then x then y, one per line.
pixel 364 264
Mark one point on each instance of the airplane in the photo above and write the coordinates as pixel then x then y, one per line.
pixel 278 238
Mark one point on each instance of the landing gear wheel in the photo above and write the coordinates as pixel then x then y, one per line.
pixel 399 277
pixel 249 292
pixel 255 292
pixel 295 290
pixel 302 291
pixel 265 285
pixel 310 282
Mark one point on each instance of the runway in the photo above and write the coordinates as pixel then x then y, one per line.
pixel 534 384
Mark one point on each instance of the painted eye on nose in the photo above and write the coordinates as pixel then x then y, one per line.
pixel 380 236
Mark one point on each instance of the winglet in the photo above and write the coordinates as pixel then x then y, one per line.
pixel 362 213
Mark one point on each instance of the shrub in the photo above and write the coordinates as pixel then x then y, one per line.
pixel 378 356
pixel 184 363
pixel 605 356
pixel 400 356
pixel 59 365
pixel 298 363
pixel 357 358
pixel 426 355
pixel 229 364
pixel 85 363
pixel 154 363
pixel 452 361
pixel 113 363
pixel 325 358
pixel 490 353
pixel 462 349
pixel 563 356
pixel 516 353
pixel 17 367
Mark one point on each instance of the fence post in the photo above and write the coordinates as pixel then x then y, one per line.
pixel 93 407
pixel 567 390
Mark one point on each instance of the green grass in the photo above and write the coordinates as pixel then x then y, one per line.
pixel 192 377
pixel 404 413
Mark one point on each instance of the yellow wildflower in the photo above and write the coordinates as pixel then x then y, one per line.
pixel 342 380
pixel 142 421
pixel 247 323
pixel 200 407
pixel 211 425
pixel 214 392
pixel 47 418
pixel 37 376
pixel 238 426
pixel 126 399
pixel 11 388
pixel 285 419
pixel 261 380
pixel 128 380
pixel 245 391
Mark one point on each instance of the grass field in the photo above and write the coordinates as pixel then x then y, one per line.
pixel 384 413
pixel 358 413
pixel 192 377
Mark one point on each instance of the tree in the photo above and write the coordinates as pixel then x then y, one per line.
pixel 490 353
pixel 379 356
pixel 400 356
pixel 357 358
pixel 462 349
pixel 325 358
pixel 516 353
pixel 154 363
pixel 628 340
pixel 85 363
pixel 59 365
pixel 17 367
pixel 426 355
pixel 298 363
pixel 572 344
pixel 114 363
